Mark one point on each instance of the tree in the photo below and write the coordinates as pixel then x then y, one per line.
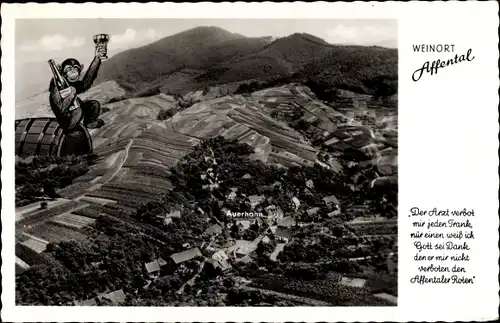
pixel 165 114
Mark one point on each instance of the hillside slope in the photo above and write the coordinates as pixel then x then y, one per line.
pixel 206 56
pixel 282 57
pixel 354 68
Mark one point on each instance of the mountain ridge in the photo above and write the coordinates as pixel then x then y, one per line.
pixel 224 57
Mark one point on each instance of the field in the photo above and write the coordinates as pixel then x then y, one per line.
pixel 328 291
pixel 55 233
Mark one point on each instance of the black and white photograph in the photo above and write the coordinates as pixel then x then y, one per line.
pixel 206 162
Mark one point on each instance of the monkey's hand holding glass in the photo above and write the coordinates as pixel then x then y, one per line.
pixel 101 51
pixel 101 45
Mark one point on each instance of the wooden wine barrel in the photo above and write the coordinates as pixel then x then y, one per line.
pixel 44 137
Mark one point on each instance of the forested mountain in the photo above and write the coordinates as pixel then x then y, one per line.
pixel 210 55
pixel 197 48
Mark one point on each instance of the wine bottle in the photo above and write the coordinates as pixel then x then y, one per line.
pixel 61 83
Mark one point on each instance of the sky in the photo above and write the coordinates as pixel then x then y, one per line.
pixel 38 40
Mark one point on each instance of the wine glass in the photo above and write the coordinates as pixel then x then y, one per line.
pixel 101 40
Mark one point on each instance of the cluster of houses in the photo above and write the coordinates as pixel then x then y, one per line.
pixel 331 204
pixel 212 247
pixel 209 177
pixel 176 262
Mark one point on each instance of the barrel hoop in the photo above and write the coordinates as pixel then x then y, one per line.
pixel 55 144
pixel 89 139
pixel 42 134
pixel 25 133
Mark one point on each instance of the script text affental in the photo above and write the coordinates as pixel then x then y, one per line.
pixel 433 67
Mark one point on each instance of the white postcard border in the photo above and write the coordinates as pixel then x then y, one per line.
pixel 469 24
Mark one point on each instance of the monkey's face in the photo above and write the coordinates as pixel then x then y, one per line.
pixel 72 73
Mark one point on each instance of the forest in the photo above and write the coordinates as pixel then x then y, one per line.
pixel 39 177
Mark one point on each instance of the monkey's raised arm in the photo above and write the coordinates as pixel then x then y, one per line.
pixel 91 74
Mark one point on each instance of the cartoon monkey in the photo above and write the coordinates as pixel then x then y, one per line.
pixel 61 102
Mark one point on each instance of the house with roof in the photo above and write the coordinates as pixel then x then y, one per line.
pixel 116 298
pixel 283 234
pixel 153 268
pixel 243 224
pixel 287 222
pixel 296 203
pixel 214 229
pixel 274 211
pixel 242 248
pixel 196 242
pixel 161 262
pixel 186 255
pixel 220 260
pixel 266 240
pixel 174 214
pixel 231 196
pixel 332 203
pixel 256 200
pixel 312 211
pixel 310 184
